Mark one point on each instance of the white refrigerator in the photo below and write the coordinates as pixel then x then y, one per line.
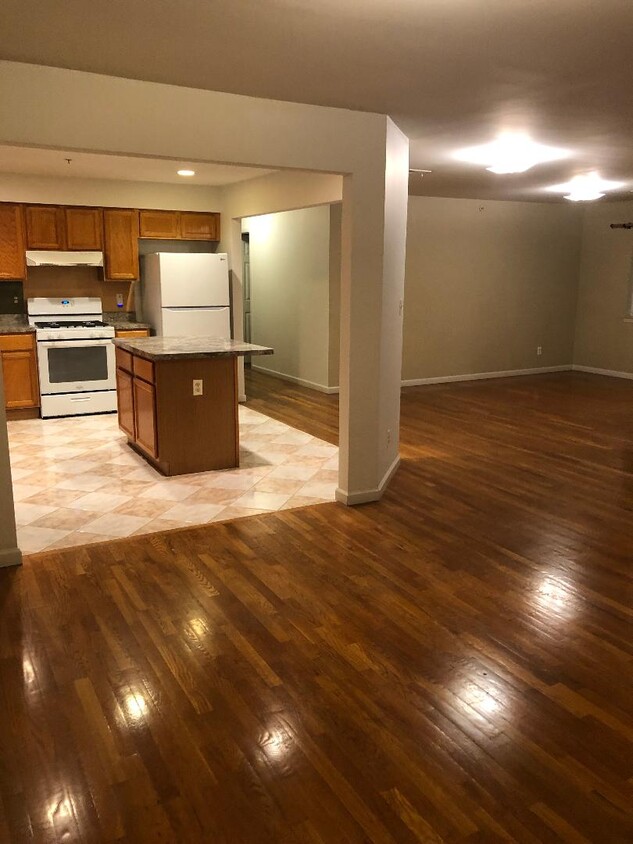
pixel 187 294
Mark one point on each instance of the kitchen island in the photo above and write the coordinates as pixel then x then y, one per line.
pixel 178 400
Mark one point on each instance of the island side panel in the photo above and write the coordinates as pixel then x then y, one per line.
pixel 197 433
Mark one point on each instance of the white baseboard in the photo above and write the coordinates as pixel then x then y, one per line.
pixel 367 495
pixel 611 373
pixel 481 376
pixel 294 380
pixel 10 557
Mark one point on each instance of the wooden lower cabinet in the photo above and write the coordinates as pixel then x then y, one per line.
pixel 19 369
pixel 180 433
pixel 125 396
pixel 145 417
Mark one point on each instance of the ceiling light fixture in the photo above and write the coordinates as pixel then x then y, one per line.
pixel 186 172
pixel 511 152
pixel 585 188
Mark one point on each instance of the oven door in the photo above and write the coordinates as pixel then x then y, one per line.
pixel 76 366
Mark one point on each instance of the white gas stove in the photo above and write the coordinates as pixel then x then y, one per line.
pixel 75 356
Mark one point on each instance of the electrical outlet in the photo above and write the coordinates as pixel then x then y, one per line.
pixel 119 300
pixel 197 386
pixel 388 436
pixel 539 350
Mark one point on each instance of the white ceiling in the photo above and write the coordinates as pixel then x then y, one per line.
pixel 47 162
pixel 452 73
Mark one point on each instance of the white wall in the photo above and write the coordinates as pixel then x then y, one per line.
pixel 109 193
pixel 75 110
pixel 276 192
pixel 604 329
pixel 290 267
pixel 488 282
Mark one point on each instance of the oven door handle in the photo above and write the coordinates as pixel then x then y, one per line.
pixel 73 344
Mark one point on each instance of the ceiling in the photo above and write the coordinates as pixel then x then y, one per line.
pixel 47 162
pixel 452 73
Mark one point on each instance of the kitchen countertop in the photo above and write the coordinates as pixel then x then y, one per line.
pixel 124 321
pixel 15 324
pixel 126 325
pixel 172 348
pixel 19 324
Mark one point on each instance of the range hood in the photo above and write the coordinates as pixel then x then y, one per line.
pixel 64 259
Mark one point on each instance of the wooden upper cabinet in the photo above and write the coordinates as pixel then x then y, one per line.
pixel 180 225
pixel 160 224
pixel 12 242
pixel 199 226
pixel 121 231
pixel 84 228
pixel 45 227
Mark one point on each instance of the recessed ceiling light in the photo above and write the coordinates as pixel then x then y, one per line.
pixel 186 172
pixel 586 187
pixel 511 152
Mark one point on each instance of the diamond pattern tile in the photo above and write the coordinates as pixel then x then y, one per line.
pixel 76 481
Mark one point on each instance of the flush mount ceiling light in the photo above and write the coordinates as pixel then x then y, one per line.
pixel 511 152
pixel 186 172
pixel 585 188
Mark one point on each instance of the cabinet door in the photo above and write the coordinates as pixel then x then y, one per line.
pixel 20 379
pixel 84 227
pixel 120 227
pixel 145 417
pixel 197 226
pixel 160 224
pixel 12 258
pixel 45 227
pixel 125 399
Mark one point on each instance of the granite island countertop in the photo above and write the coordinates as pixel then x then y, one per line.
pixel 173 348
pixel 15 324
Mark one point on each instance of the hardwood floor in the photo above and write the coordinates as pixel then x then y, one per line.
pixel 450 665
pixel 310 411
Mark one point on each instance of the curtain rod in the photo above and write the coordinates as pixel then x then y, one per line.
pixel 621 226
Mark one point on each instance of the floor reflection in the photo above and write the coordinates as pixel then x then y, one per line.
pixel 556 596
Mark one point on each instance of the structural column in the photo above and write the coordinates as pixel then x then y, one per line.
pixel 9 553
pixel 372 293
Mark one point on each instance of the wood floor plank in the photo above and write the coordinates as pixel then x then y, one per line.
pixel 451 665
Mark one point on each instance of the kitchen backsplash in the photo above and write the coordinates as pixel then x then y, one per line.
pixel 52 282
pixel 11 297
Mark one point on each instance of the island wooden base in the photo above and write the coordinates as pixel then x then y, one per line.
pixel 179 432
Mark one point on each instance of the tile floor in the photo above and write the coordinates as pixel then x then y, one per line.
pixel 77 481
